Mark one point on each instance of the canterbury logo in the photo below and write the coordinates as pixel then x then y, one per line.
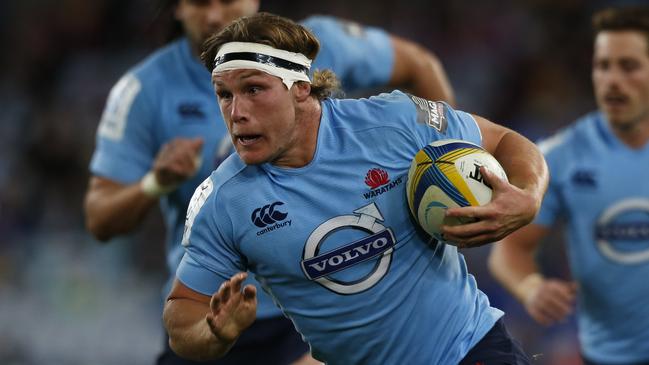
pixel 267 215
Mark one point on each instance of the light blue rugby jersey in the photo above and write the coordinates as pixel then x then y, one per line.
pixel 170 95
pixel 599 187
pixel 334 242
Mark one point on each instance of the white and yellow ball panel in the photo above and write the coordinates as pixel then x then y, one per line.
pixel 442 173
pixel 431 215
pixel 439 178
pixel 467 165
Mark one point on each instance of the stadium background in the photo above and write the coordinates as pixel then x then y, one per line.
pixel 65 299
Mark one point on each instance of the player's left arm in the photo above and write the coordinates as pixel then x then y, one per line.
pixel 419 71
pixel 514 203
pixel 201 327
pixel 368 57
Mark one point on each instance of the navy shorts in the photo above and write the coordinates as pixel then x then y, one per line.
pixel 271 341
pixel 497 347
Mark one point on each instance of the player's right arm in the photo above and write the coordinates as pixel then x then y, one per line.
pixel 512 262
pixel 201 327
pixel 207 308
pixel 112 208
pixel 130 167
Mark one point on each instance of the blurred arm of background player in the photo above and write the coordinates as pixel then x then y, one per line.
pixel 112 208
pixel 420 72
pixel 512 263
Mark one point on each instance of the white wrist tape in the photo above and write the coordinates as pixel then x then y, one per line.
pixel 151 187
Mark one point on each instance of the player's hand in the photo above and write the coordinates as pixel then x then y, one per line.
pixel 177 161
pixel 232 309
pixel 549 301
pixel 510 208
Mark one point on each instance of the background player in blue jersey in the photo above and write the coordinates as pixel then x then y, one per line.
pixel 161 134
pixel 359 280
pixel 598 186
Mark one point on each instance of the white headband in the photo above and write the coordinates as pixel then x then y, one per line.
pixel 288 66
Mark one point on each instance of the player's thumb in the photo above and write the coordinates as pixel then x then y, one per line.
pixel 490 179
pixel 249 292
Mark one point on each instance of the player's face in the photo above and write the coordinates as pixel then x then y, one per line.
pixel 202 18
pixel 260 114
pixel 621 78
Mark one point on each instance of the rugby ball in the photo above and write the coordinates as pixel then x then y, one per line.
pixel 446 174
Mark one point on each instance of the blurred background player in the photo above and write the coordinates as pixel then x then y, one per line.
pixel 360 281
pixel 161 134
pixel 598 186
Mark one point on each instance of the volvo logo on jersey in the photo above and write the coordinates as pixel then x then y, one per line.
pixel 378 180
pixel 622 231
pixel 339 269
pixel 348 255
pixel 270 217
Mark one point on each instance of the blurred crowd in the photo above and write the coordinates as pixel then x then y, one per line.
pixel 66 299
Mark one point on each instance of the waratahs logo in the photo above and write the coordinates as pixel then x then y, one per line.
pixel 269 217
pixel 379 181
pixel 376 178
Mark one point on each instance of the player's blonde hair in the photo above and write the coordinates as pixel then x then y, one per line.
pixel 277 32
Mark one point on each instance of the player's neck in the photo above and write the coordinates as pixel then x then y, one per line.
pixel 310 115
pixel 307 127
pixel 194 48
pixel 635 136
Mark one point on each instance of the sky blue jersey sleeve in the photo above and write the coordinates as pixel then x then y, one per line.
pixel 436 120
pixel 125 141
pixel 210 255
pixel 551 206
pixel 415 121
pixel 361 57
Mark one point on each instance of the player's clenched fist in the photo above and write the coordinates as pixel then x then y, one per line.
pixel 550 300
pixel 232 309
pixel 177 161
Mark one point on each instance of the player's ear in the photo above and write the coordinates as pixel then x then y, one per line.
pixel 301 90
